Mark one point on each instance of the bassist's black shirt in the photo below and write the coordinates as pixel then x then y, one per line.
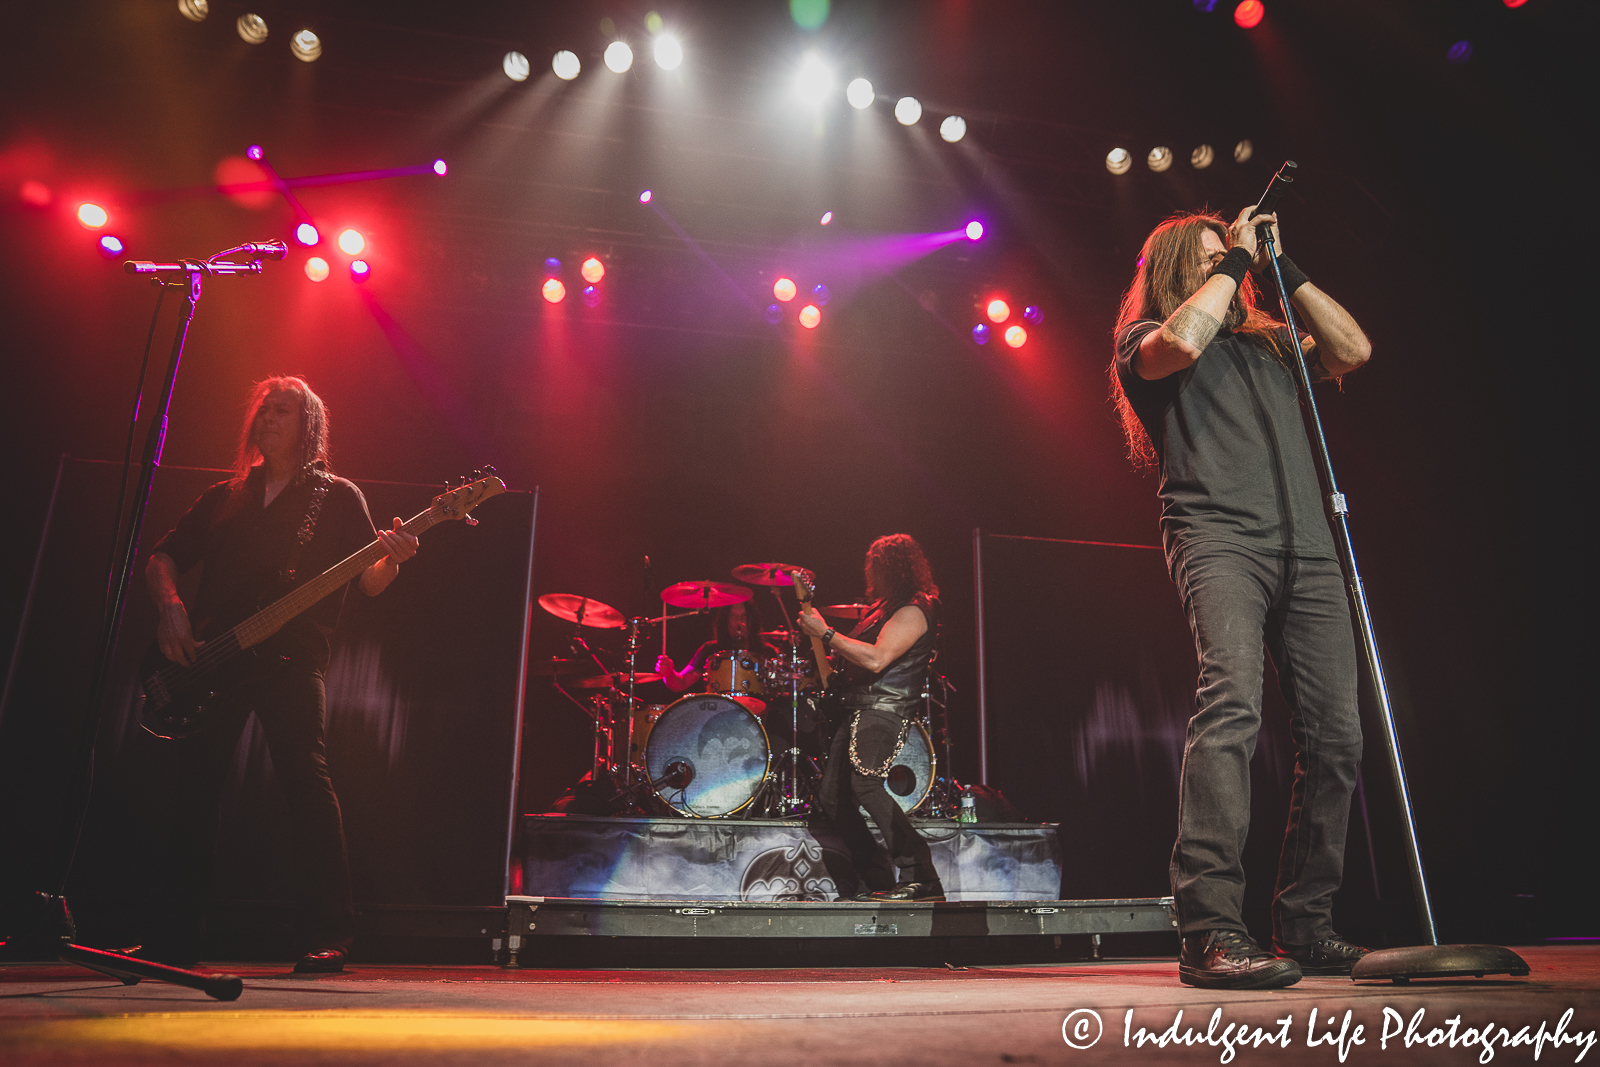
pixel 244 546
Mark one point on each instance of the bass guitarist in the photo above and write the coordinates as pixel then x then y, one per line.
pixel 282 520
pixel 884 663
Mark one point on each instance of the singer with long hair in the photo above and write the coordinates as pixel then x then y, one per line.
pixel 1207 398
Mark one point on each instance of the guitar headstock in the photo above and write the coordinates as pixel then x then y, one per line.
pixel 805 585
pixel 457 503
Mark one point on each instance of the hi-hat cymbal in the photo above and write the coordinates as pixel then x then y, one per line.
pixel 770 573
pixel 704 594
pixel 845 611
pixel 619 679
pixel 582 610
pixel 557 666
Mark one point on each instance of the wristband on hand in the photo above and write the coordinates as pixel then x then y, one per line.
pixel 1235 265
pixel 1293 276
pixel 828 636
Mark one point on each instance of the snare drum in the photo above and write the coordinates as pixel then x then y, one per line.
pixel 779 672
pixel 717 746
pixel 644 720
pixel 738 675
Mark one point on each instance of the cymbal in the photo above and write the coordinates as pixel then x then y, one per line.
pixel 846 611
pixel 582 610
pixel 769 573
pixel 557 666
pixel 777 635
pixel 619 679
pixel 704 595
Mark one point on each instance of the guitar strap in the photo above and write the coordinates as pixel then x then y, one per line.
pixel 308 525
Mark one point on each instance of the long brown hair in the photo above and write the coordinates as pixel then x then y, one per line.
pixel 1168 273
pixel 897 570
pixel 313 425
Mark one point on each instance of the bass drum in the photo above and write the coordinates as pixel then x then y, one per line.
pixel 707 755
pixel 912 773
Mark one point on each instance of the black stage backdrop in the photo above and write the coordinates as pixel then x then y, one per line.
pixel 424 707
pixel 672 421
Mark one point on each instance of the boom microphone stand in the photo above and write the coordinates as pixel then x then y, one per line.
pixel 51 915
pixel 1400 964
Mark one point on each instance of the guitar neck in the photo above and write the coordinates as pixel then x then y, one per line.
pixel 269 620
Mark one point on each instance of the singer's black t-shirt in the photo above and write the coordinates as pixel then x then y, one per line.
pixel 1232 449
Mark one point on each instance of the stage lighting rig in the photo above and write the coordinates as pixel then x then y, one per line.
pixel 307 234
pixel 859 93
pixel 252 28
pixel 907 110
pixel 194 10
pixel 516 66
pixel 1243 151
pixel 619 57
pixel 953 128
pixel 668 52
pixel 566 65
pixel 1159 159
pixel 351 243
pixel 306 46
pixel 1202 157
pixel 317 269
pixel 92 216
pixel 1249 14
pixel 1119 161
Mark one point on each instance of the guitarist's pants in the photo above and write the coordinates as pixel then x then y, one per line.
pixel 845 791
pixel 291 711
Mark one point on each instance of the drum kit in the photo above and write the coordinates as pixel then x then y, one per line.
pixel 712 754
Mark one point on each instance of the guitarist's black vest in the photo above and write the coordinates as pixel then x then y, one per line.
pixel 247 548
pixel 901 682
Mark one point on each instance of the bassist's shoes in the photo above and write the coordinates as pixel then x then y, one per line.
pixel 326 961
pixel 916 891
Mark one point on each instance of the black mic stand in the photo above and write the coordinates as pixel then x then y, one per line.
pixel 1400 964
pixel 51 917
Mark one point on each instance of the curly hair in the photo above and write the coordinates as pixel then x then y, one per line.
pixel 313 425
pixel 721 631
pixel 897 570
pixel 1169 273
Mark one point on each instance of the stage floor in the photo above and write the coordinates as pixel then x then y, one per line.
pixel 488 1015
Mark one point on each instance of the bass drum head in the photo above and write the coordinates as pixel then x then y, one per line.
pixel 912 773
pixel 722 744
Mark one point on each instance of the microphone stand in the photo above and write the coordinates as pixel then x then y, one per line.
pixel 1402 964
pixel 50 911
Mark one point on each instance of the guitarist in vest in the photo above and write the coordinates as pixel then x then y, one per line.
pixel 250 535
pixel 882 665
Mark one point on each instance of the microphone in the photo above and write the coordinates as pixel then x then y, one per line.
pixel 1275 189
pixel 273 249
pixel 679 774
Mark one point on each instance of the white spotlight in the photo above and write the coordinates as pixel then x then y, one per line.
pixel 813 81
pixel 908 109
pixel 1160 158
pixel 1202 157
pixel 306 46
pixel 194 10
pixel 619 57
pixel 669 53
pixel 1243 151
pixel 859 93
pixel 1118 160
pixel 252 28
pixel 516 66
pixel 953 128
pixel 566 65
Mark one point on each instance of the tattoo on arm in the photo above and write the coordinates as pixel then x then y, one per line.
pixel 1191 324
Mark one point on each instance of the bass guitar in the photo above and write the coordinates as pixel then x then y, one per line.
pixel 175 698
pixel 804 591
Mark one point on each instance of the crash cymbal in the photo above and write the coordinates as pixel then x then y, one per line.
pixel 619 679
pixel 777 635
pixel 846 611
pixel 557 666
pixel 582 610
pixel 704 595
pixel 770 573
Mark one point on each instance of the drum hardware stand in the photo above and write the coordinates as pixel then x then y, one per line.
pixel 1401 964
pixel 786 776
pixel 944 800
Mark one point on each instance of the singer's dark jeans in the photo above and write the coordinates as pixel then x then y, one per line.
pixel 1236 600
pixel 845 791
pixel 291 713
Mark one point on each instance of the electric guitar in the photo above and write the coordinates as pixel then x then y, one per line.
pixel 804 591
pixel 175 698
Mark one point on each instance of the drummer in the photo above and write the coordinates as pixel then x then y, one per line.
pixel 734 629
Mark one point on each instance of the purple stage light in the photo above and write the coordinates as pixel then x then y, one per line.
pixel 441 168
pixel 774 314
pixel 644 197
pixel 1032 315
pixel 1459 52
pixel 827 217
pixel 360 270
pixel 974 230
pixel 254 152
pixel 980 333
pixel 110 245
pixel 821 294
pixel 552 266
pixel 591 296
pixel 307 234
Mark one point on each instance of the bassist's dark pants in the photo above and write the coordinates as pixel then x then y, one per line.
pixel 845 791
pixel 291 712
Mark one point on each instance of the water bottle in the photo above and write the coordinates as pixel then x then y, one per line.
pixel 969 806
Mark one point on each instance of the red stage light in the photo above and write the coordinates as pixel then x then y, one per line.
pixel 110 246
pixel 784 289
pixel 351 242
pixel 1515 3
pixel 1016 336
pixel 92 216
pixel 307 234
pixel 360 270
pixel 35 194
pixel 317 269
pixel 998 310
pixel 441 168
pixel 592 270
pixel 810 316
pixel 1249 13
pixel 553 290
